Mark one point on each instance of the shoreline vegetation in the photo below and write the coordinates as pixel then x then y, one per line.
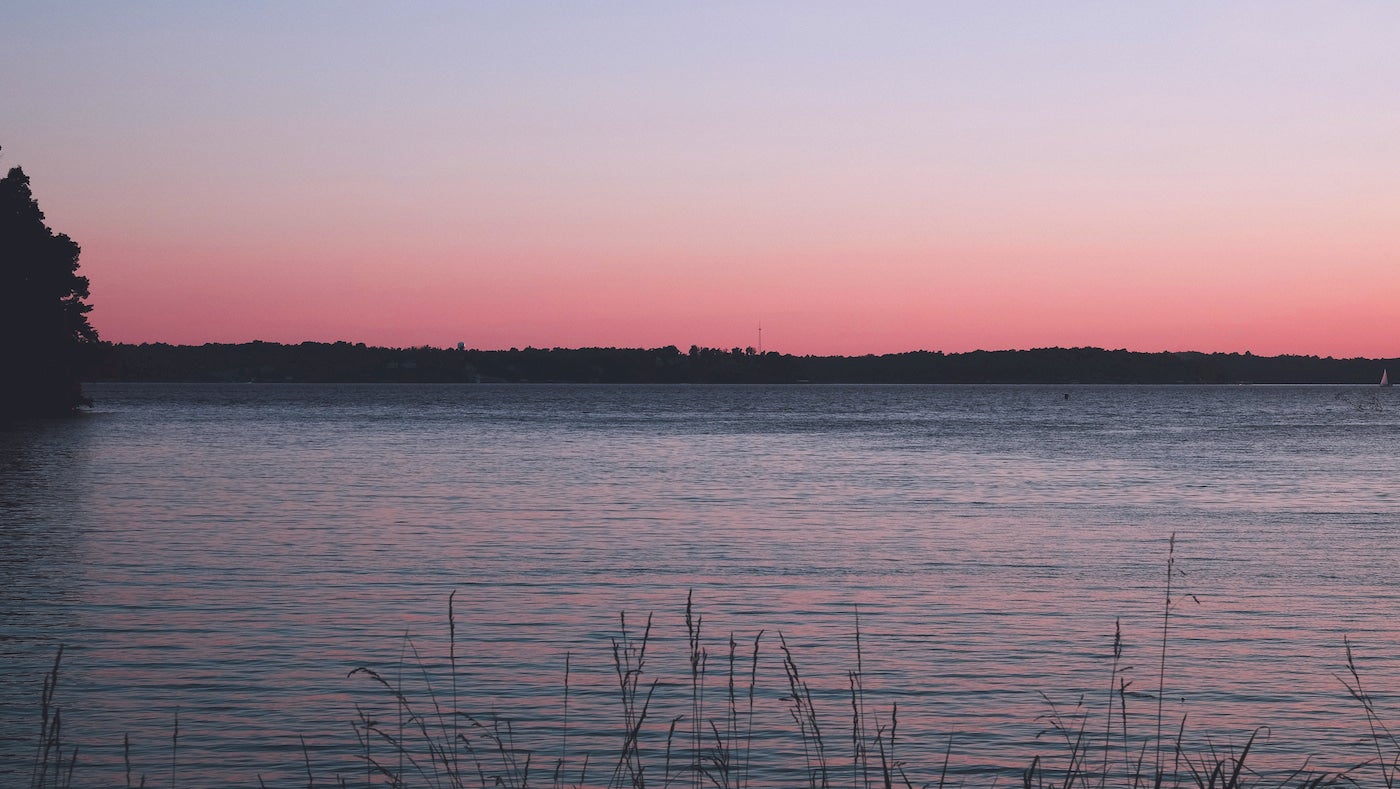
pixel 344 362
pixel 46 342
pixel 416 726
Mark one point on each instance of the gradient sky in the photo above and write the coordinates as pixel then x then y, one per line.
pixel 856 177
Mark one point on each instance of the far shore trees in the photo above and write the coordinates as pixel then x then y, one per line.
pixel 46 342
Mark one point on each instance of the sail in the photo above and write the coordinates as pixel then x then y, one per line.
pixel 1385 378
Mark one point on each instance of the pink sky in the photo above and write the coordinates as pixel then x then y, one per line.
pixel 857 179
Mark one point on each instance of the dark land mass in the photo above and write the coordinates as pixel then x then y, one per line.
pixel 343 362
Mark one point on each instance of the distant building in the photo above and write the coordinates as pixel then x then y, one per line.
pixel 461 346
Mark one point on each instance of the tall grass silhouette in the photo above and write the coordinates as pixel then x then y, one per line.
pixel 417 727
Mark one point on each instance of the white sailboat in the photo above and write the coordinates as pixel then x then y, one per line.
pixel 1385 378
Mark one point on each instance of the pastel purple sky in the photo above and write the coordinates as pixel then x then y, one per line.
pixel 858 177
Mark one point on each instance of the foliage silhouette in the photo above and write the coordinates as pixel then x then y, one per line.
pixel 46 342
pixel 314 362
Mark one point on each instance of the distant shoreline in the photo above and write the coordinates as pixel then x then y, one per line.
pixel 343 362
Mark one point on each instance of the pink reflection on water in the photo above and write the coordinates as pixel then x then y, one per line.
pixel 239 560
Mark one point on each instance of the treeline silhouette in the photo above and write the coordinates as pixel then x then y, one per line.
pixel 343 362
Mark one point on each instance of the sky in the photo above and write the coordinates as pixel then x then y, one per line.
pixel 855 177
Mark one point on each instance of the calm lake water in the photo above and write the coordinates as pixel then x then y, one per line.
pixel 228 554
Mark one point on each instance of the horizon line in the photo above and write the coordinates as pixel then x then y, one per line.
pixel 516 349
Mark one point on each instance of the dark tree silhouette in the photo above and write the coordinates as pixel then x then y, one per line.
pixel 46 342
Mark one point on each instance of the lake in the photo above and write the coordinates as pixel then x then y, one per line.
pixel 225 555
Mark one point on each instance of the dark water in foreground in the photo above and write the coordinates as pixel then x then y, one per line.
pixel 229 553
